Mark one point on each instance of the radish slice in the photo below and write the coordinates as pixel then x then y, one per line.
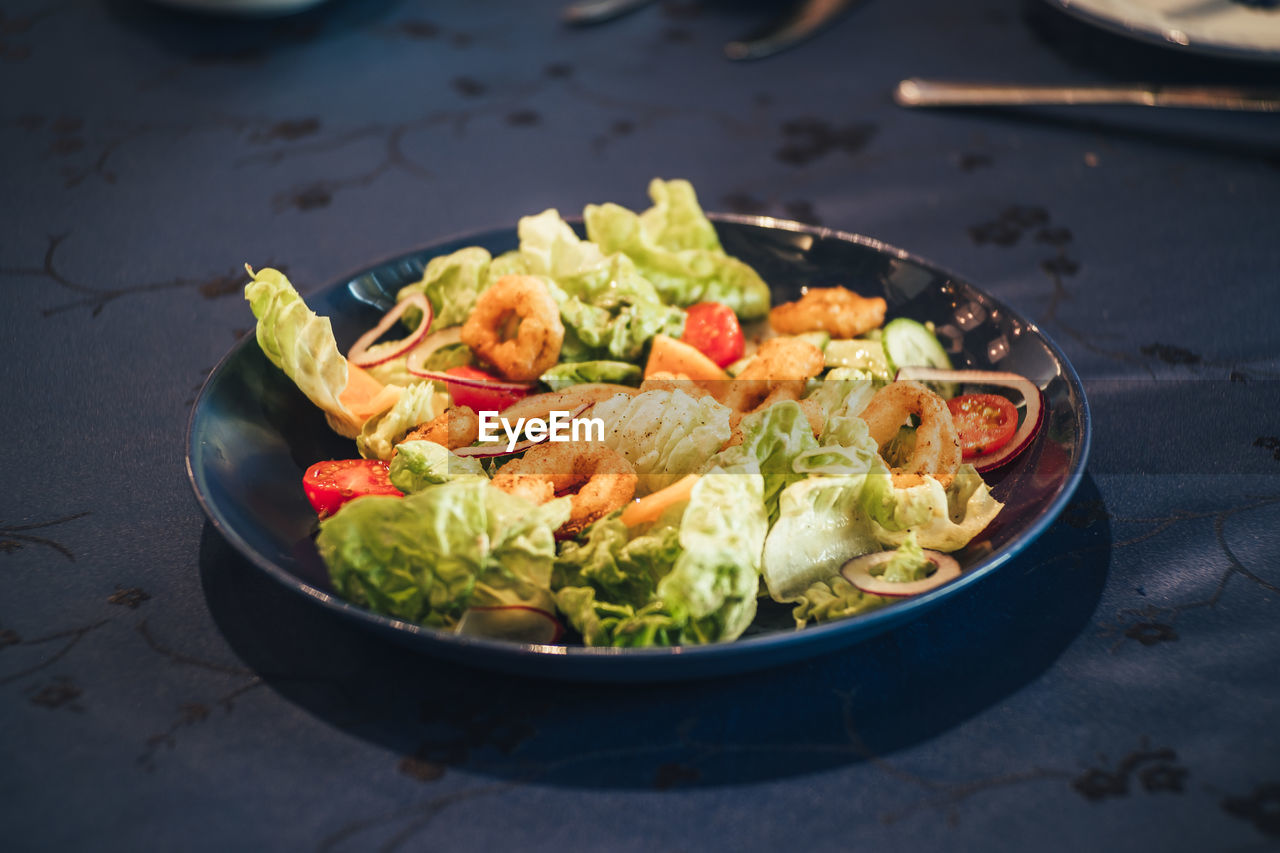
pixel 366 354
pixel 489 451
pixel 518 623
pixel 1031 419
pixel 858 572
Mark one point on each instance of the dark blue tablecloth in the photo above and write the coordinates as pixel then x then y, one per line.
pixel 1113 688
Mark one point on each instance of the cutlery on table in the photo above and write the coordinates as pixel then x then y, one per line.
pixel 586 12
pixel 916 92
pixel 805 20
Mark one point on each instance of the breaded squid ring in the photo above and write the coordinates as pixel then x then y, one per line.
pixel 516 327
pixel 596 478
pixel 454 428
pixel 835 310
pixel 937 450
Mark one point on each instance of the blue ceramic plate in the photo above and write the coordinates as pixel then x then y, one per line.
pixel 252 434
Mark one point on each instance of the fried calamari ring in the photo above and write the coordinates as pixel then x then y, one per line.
pixel 596 478
pixel 937 448
pixel 516 327
pixel 454 428
pixel 836 310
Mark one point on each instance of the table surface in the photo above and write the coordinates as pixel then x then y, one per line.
pixel 1113 688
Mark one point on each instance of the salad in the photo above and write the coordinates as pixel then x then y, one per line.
pixel 621 441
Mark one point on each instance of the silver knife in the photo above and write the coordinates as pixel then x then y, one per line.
pixel 916 92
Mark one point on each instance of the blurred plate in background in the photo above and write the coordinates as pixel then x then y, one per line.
pixel 1241 29
pixel 242 7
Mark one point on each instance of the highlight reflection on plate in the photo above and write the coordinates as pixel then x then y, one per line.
pixel 252 434
pixel 1230 28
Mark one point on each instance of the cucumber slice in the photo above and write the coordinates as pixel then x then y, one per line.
pixel 859 353
pixel 911 344
pixel 818 339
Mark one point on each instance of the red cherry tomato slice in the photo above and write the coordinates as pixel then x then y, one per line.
pixel 331 484
pixel 712 328
pixel 985 422
pixel 480 399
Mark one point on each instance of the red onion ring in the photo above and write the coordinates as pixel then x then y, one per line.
pixel 1031 421
pixel 414 366
pixel 360 354
pixel 858 572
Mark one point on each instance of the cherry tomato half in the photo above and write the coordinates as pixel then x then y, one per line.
pixel 480 399
pixel 985 422
pixel 713 328
pixel 331 484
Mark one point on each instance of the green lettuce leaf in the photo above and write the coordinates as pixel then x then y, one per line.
pixel 690 578
pixel 451 284
pixel 428 556
pixel 301 343
pixel 549 247
pixel 418 403
pixel 820 527
pixel 419 464
pixel 907 564
pixel 711 591
pixel 675 247
pixel 575 373
pixel 942 519
pixel 834 598
pixel 663 434
pixel 618 567
pixel 772 441
pixel 609 310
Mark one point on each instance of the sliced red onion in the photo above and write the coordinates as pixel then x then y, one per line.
pixel 1031 419
pixel 366 354
pixel 414 366
pixel 490 451
pixel 520 623
pixel 858 572
pixel 438 339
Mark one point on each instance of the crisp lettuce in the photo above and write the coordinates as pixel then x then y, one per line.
pixel 942 519
pixel 610 310
pixel 907 564
pixel 707 577
pixel 451 284
pixel 675 247
pixel 301 343
pixel 712 589
pixel 834 598
pixel 419 464
pixel 417 404
pixel 623 569
pixel 819 528
pixel 428 556
pixel 549 247
pixel 663 434
pixel 772 441
pixel 577 372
